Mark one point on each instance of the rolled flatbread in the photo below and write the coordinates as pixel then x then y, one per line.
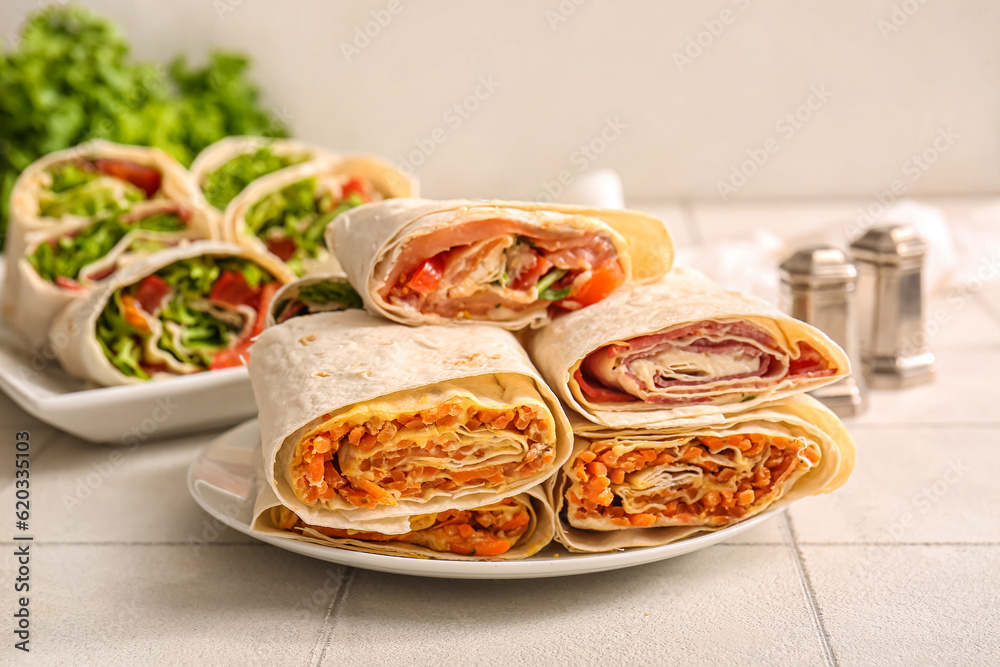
pixel 310 295
pixel 224 169
pixel 83 183
pixel 639 488
pixel 512 264
pixel 285 213
pixel 508 529
pixel 365 422
pixel 184 310
pixel 680 348
pixel 63 264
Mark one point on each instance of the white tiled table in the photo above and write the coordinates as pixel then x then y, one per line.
pixel 901 566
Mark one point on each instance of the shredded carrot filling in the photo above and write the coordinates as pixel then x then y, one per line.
pixel 486 531
pixel 381 461
pixel 708 481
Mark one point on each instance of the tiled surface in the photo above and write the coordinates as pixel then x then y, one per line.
pixel 898 567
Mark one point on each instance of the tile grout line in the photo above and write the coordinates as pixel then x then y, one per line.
pixel 329 622
pixel 817 617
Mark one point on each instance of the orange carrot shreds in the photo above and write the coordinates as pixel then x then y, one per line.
pixel 332 477
pixel 691 453
pixel 322 444
pixel 663 459
pixel 466 531
pixel 472 424
pixel 387 433
pixel 520 519
pixel 355 435
pixel 648 455
pixel 310 494
pixel 315 474
pixel 616 475
pixel 586 456
pixel 642 520
pixel 726 475
pixel 597 469
pixel 608 458
pixel 581 472
pixel 374 490
pixel 709 465
pixel 501 422
pixel 522 420
pixel 762 477
pixel 368 442
pixel 812 455
pixel 711 499
pixel 745 497
pixel 487 416
pixel 491 548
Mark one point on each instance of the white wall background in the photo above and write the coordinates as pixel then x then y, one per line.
pixel 897 74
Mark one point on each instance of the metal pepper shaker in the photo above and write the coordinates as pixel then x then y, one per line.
pixel 818 286
pixel 894 349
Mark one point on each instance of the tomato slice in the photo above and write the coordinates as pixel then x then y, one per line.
pixel 68 283
pixel 150 292
pixel 428 276
pixel 603 282
pixel 231 288
pixel 354 185
pixel 282 248
pixel 145 178
pixel 232 357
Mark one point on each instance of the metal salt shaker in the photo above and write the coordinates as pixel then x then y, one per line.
pixel 894 347
pixel 818 286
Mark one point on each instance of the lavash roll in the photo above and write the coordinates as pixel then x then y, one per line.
pixel 176 185
pixel 799 417
pixel 295 292
pixel 73 333
pixel 349 368
pixel 682 298
pixel 370 240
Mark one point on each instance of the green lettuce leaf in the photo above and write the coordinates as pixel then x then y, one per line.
pixel 222 185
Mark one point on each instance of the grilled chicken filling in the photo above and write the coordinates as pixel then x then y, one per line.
pixel 700 481
pixel 491 530
pixel 498 269
pixel 379 459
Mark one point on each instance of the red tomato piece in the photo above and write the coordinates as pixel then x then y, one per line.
pixel 428 276
pixel 530 275
pixel 603 282
pixel 282 248
pixel 231 288
pixel 150 292
pixel 145 178
pixel 354 185
pixel 232 357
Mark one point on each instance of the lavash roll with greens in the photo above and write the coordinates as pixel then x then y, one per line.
pixel 510 264
pixel 648 487
pixel 181 311
pixel 81 184
pixel 365 422
pixel 64 264
pixel 508 529
pixel 286 212
pixel 682 348
pixel 310 295
pixel 224 169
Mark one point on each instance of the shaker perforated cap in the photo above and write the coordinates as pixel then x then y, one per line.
pixel 890 244
pixel 819 266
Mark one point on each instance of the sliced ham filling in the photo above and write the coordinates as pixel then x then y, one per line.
pixel 484 531
pixel 372 460
pixel 498 269
pixel 701 481
pixel 706 362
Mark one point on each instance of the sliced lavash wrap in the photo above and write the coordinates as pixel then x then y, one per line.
pixel 40 298
pixel 34 208
pixel 273 518
pixel 222 170
pixel 286 212
pixel 319 373
pixel 74 334
pixel 310 295
pixel 484 254
pixel 684 297
pixel 799 418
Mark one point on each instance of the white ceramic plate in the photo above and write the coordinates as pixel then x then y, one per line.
pixel 121 415
pixel 221 480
